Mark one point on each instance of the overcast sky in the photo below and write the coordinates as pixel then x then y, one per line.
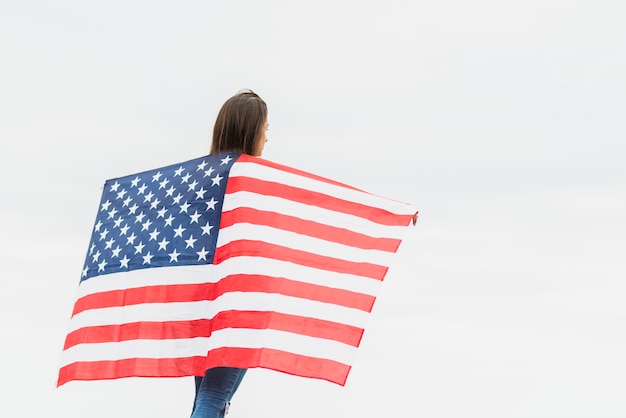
pixel 502 121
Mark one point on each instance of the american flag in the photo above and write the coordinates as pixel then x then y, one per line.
pixel 229 260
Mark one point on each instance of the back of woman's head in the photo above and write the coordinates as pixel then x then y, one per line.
pixel 240 124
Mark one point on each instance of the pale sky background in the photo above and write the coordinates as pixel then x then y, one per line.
pixel 502 121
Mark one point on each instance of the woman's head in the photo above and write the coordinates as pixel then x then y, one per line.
pixel 240 125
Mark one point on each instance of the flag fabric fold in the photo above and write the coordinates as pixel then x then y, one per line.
pixel 229 260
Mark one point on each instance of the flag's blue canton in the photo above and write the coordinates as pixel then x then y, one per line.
pixel 164 217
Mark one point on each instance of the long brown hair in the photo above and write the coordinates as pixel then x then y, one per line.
pixel 239 124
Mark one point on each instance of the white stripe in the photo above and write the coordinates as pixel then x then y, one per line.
pixel 156 276
pixel 239 301
pixel 285 341
pixel 296 272
pixel 134 349
pixel 311 213
pixel 213 273
pixel 277 268
pixel 258 171
pixel 301 242
pixel 230 337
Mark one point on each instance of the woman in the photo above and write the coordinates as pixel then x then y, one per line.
pixel 240 126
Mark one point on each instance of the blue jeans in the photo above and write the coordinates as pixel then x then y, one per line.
pixel 214 391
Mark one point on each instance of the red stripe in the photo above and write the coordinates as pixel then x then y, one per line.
pixel 278 252
pixel 211 291
pixel 308 197
pixel 312 327
pixel 281 361
pixel 309 228
pixel 133 367
pixel 250 159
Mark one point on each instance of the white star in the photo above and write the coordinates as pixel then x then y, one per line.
pixel 179 171
pixel 190 242
pixel 202 254
pixel 163 184
pixel 121 194
pixel 163 244
pixel 96 256
pixel 208 172
pixel 206 229
pixel 184 207
pixel 98 225
pixel 105 205
pixel 192 186
pixel 115 186
pixel 170 191
pixel 147 258
pixel 116 251
pixel 177 198
pixel 154 234
pixel 168 221
pixel 146 225
pixel 142 189
pixel 93 246
pixel 112 213
pixel 194 217
pixel 157 176
pixel 102 265
pixel 135 182
pixel 148 197
pixel 133 209
pixel 139 247
pixel 140 217
pixel 201 165
pixel 118 222
pixel 109 244
pixel 104 234
pixel 127 202
pixel 185 178
pixel 200 193
pixel 178 232
pixel 174 255
pixel 216 180
pixel 161 213
pixel 154 204
pixel 211 204
pixel 226 160
pixel 85 270
pixel 131 240
pixel 124 229
pixel 124 262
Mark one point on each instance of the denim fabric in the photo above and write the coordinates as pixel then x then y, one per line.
pixel 214 391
